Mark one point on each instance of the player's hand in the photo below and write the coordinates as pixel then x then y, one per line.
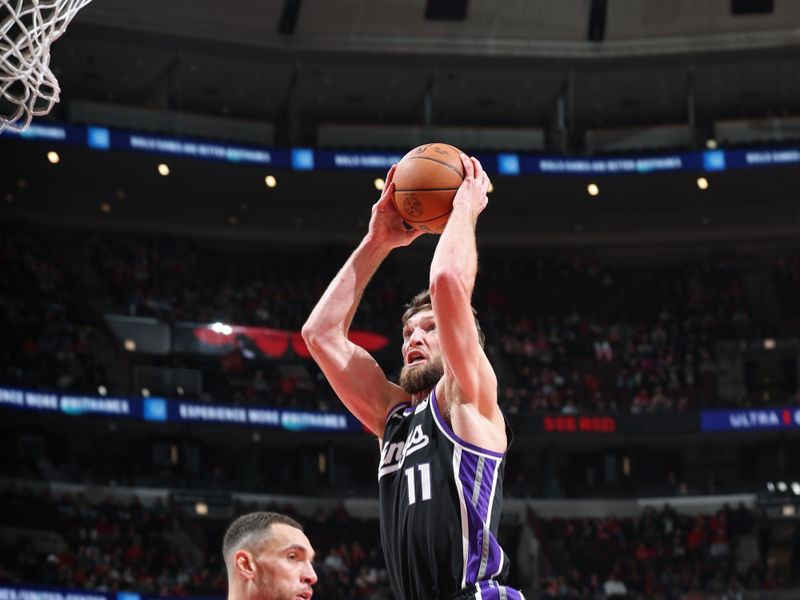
pixel 386 225
pixel 473 190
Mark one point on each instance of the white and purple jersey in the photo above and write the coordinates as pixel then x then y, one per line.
pixel 440 501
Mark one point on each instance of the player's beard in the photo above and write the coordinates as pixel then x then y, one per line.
pixel 416 379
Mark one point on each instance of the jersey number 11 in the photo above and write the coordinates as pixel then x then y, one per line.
pixel 425 475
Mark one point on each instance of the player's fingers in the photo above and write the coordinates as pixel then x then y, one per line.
pixel 390 175
pixel 387 195
pixel 469 168
pixel 478 167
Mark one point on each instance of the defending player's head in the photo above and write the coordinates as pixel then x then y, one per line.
pixel 268 557
pixel 422 358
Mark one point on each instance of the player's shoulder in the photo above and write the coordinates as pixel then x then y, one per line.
pixel 395 417
pixel 479 427
pixel 392 403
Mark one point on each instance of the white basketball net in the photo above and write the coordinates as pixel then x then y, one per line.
pixel 28 87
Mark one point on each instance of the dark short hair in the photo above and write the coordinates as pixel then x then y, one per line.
pixel 249 524
pixel 422 301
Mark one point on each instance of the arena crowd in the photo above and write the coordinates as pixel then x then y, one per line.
pixel 74 541
pixel 567 333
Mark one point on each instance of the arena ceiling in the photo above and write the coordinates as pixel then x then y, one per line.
pixel 382 61
pixel 514 63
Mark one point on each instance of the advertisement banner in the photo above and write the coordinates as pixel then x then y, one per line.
pixel 71 404
pixel 741 159
pixel 174 411
pixel 752 419
pixel 579 424
pixel 255 342
pixel 8 592
pixel 606 425
pixel 351 160
pixel 27 592
pixel 566 165
pixel 50 132
pixel 202 149
pixel 164 410
pixel 309 159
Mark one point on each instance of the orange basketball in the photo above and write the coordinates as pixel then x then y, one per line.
pixel 426 181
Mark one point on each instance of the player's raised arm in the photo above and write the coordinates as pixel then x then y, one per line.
pixel 353 373
pixel 452 279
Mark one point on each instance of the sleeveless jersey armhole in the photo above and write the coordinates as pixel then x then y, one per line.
pixel 445 428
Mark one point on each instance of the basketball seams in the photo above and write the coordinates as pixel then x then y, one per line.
pixel 429 220
pixel 444 189
pixel 414 197
pixel 441 162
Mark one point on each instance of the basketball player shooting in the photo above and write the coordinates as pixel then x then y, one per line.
pixel 442 436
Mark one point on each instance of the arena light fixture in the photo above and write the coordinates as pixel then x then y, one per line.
pixel 702 183
pixel 270 181
pixel 788 510
pixel 163 169
pixel 379 183
pixel 53 157
pixel 130 345
pixel 221 328
pixel 105 207
pixel 711 144
pixel 145 392
pixel 770 486
pixel 201 508
pixel 796 488
pixel 782 487
pixel 769 344
pixel 102 390
pixel 593 189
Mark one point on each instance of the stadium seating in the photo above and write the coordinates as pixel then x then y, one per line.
pixel 568 333
pixel 122 544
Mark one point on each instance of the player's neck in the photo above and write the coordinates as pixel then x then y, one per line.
pixel 420 396
pixel 236 590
